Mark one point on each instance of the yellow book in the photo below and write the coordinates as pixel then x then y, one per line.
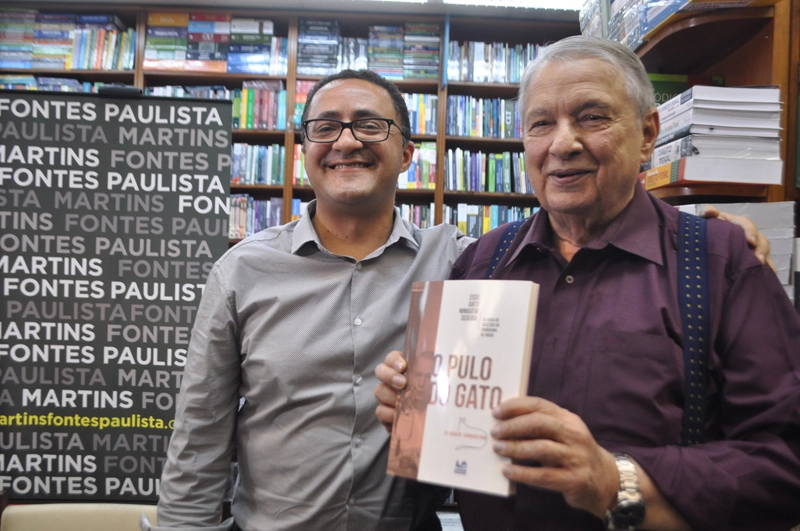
pixel 167 19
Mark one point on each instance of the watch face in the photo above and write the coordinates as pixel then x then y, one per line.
pixel 628 514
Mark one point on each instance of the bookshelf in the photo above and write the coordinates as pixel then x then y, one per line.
pixel 747 46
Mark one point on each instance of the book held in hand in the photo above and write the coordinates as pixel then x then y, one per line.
pixel 468 347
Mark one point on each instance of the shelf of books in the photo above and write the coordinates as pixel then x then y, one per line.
pixel 460 91
pixel 740 47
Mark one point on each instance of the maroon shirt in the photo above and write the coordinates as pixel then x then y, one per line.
pixel 608 347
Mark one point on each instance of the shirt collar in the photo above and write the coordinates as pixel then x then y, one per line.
pixel 635 230
pixel 305 233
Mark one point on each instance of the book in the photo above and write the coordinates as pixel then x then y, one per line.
pixel 716 122
pixel 733 99
pixel 713 170
pixel 737 147
pixel 468 346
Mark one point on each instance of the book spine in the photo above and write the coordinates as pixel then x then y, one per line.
pixel 168 19
pixel 675 128
pixel 672 151
pixel 675 106
pixel 663 175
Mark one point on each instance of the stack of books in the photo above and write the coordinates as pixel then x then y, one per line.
pixel 256 164
pixel 421 51
pixel 482 62
pixel 354 53
pixel 209 35
pixel 16 82
pixel 469 171
pixel 251 46
pixel 102 42
pixel 16 37
pixel 262 105
pixel 53 41
pixel 479 117
pixel 302 88
pixel 717 135
pixel 318 47
pixel 421 174
pixel 166 41
pixel 249 216
pixel 476 220
pixel 422 113
pixel 419 215
pixel 385 54
pixel 775 220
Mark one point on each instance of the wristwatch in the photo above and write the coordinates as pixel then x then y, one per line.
pixel 628 513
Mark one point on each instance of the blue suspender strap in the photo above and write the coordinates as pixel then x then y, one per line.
pixel 694 302
pixel 502 246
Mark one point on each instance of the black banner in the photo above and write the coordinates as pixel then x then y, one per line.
pixel 112 213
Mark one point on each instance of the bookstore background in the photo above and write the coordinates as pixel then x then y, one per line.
pixel 252 67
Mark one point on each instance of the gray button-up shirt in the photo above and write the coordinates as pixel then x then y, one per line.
pixel 296 331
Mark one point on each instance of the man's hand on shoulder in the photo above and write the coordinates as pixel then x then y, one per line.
pixel 757 240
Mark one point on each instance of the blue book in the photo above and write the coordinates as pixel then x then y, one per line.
pixel 248 58
pixel 249 48
pixel 167 31
pixel 51 34
pixel 247 68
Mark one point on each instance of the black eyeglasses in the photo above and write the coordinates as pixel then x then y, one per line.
pixel 326 131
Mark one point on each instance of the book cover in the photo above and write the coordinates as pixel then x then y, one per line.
pixel 713 170
pixel 468 346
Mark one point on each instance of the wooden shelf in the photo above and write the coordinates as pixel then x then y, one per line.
pixel 405 195
pixel 691 45
pixel 490 198
pixel 258 135
pixel 712 193
pixel 506 91
pixel 182 77
pixel 484 143
pixel 105 76
pixel 251 188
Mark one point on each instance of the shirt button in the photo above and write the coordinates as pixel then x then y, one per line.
pixel 358 379
pixel 351 501
pixel 569 279
pixel 358 266
pixel 357 441
pixel 357 321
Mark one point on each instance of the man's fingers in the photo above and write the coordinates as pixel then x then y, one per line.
pixel 521 405
pixel 396 361
pixel 390 371
pixel 544 451
pixel 385 416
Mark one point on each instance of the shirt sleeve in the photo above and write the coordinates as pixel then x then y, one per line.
pixel 747 474
pixel 199 457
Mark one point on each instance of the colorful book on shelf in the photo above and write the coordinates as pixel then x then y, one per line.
pixel 178 19
pixel 688 170
pixel 468 346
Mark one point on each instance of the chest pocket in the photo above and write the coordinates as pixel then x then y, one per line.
pixel 635 389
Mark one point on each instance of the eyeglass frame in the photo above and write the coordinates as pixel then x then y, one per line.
pixel 349 125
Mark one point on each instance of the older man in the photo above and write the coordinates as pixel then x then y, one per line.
pixel 597 443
